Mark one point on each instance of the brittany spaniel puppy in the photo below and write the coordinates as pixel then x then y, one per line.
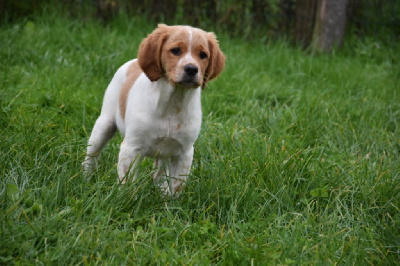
pixel 154 101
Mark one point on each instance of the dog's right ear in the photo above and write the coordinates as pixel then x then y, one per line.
pixel 150 52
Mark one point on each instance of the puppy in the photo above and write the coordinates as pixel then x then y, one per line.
pixel 154 101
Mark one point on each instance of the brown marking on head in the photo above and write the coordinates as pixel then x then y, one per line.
pixel 150 52
pixel 132 75
pixel 217 59
pixel 169 50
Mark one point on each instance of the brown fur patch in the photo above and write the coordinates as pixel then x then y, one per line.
pixel 132 75
pixel 156 59
pixel 150 52
pixel 217 59
pixel 190 41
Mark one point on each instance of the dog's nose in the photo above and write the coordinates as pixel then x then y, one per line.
pixel 191 70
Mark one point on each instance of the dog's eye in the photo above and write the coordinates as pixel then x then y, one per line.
pixel 176 51
pixel 202 55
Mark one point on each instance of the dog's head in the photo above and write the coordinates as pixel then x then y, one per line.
pixel 187 56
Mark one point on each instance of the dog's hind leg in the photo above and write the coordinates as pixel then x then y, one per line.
pixel 103 130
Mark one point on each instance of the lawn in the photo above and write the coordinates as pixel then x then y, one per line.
pixel 297 161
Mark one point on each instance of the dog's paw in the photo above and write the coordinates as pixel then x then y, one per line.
pixel 164 188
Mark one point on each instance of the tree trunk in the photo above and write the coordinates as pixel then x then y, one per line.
pixel 330 25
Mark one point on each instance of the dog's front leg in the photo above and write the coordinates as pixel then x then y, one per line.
pixel 129 159
pixel 161 176
pixel 180 169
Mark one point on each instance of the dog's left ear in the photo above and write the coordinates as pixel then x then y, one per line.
pixel 150 49
pixel 217 59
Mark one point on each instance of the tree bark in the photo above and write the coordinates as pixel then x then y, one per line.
pixel 330 25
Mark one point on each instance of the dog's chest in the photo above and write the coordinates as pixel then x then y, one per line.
pixel 169 137
pixel 162 120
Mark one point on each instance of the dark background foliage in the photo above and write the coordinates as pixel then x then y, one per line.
pixel 263 19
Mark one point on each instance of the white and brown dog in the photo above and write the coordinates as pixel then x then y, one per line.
pixel 154 101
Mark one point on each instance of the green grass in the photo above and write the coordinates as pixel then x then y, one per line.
pixel 297 161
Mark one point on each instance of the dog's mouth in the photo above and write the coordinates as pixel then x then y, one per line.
pixel 188 83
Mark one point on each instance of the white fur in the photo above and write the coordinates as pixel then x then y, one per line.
pixel 161 122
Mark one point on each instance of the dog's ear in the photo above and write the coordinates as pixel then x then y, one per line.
pixel 217 59
pixel 150 49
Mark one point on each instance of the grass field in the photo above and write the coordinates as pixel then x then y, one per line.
pixel 297 161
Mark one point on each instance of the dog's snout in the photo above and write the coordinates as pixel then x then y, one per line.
pixel 191 70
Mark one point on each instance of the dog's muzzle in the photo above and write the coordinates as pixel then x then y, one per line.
pixel 189 78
